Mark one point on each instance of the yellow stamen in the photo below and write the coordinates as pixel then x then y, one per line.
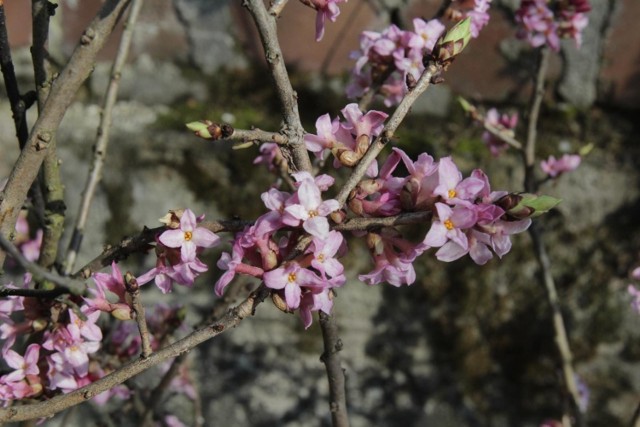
pixel 188 235
pixel 452 193
pixel 292 277
pixel 320 257
pixel 449 224
pixel 313 213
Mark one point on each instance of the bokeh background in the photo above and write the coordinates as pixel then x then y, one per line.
pixel 463 346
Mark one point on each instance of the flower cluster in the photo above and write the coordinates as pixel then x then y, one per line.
pixel 464 217
pixel 62 358
pixel 467 217
pixel 542 22
pixel 387 59
pixel 503 122
pixel 177 250
pixel 267 250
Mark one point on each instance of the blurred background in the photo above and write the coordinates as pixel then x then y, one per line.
pixel 465 345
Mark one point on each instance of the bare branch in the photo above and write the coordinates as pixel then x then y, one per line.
pixel 52 188
pixel 102 138
pixel 40 274
pixel 293 129
pixel 62 94
pixel 335 373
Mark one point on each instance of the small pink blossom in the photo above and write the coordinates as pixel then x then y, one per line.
pixel 292 278
pixel 189 237
pixel 566 163
pixel 311 209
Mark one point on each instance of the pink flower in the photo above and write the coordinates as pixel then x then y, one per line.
pixel 27 365
pixel 292 278
pixel 324 251
pixel 311 210
pixel 427 33
pixel 315 301
pixel 566 163
pixel 449 226
pixel 452 188
pixel 189 237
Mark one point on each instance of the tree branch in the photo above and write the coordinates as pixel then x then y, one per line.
pixel 102 138
pixel 62 95
pixel 335 373
pixel 293 129
pixel 51 188
pixel 40 274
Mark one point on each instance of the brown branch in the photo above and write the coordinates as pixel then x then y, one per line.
pixel 61 402
pixel 293 129
pixel 60 98
pixel 333 365
pixel 387 133
pixel 102 138
pixel 51 183
pixel 532 125
pixel 40 274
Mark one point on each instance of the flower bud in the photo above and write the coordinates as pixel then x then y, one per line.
pixel 525 205
pixel 200 128
pixel 453 42
pixel 279 302
pixel 121 313
pixel 172 218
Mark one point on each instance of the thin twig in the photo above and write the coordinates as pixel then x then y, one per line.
pixel 266 24
pixel 56 404
pixel 561 337
pixel 534 114
pixel 387 133
pixel 102 139
pixel 257 136
pixel 51 183
pixel 62 94
pixel 40 274
pixel 133 289
pixel 35 293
